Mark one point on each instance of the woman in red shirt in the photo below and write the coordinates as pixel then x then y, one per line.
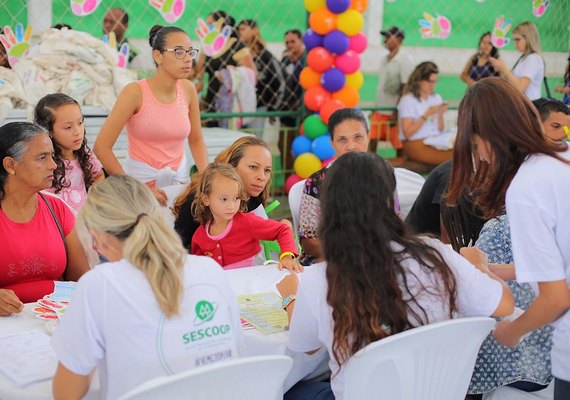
pixel 39 244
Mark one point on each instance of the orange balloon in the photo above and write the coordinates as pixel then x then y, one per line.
pixel 359 5
pixel 315 97
pixel 329 108
pixel 348 95
pixel 322 21
pixel 309 78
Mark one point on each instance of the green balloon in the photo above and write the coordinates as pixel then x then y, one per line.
pixel 314 126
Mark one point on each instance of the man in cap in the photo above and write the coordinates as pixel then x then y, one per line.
pixel 395 69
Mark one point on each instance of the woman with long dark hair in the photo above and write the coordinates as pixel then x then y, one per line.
pixel 527 175
pixel 379 279
pixel 479 65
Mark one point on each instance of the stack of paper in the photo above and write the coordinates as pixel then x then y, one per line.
pixel 264 312
pixel 27 358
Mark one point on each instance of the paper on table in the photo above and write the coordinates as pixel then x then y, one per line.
pixel 264 312
pixel 27 357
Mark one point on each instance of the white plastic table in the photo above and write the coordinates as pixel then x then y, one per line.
pixel 243 281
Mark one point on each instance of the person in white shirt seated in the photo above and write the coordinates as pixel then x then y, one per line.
pixel 420 114
pixel 378 279
pixel 153 310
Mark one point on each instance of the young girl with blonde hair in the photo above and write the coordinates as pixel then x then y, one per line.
pixel 227 234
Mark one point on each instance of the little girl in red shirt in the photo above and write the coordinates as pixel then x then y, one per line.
pixel 227 234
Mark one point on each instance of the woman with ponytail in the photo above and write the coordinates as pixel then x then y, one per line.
pixel 160 114
pixel 140 315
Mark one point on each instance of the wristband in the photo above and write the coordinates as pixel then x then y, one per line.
pixel 287 300
pixel 285 254
pixel 424 118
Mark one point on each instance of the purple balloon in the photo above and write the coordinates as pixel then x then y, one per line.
pixel 338 6
pixel 312 39
pixel 336 42
pixel 333 80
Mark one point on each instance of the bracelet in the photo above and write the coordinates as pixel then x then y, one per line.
pixel 424 118
pixel 285 254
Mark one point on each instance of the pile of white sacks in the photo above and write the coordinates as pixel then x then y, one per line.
pixel 68 61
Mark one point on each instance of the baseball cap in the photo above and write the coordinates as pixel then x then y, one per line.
pixel 393 31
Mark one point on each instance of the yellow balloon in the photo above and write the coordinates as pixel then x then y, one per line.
pixel 350 22
pixel 355 80
pixel 313 5
pixel 307 164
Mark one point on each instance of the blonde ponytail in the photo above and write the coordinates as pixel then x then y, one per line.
pixel 125 208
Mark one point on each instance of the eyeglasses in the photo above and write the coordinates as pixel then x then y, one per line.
pixel 180 53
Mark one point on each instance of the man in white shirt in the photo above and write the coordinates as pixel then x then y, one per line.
pixel 395 69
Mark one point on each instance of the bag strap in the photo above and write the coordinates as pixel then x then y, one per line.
pixel 517 63
pixel 548 95
pixel 52 212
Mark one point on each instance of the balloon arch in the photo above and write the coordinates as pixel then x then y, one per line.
pixel 331 79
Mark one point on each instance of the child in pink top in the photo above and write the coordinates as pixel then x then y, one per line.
pixel 77 168
pixel 227 234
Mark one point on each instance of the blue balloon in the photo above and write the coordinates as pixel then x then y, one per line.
pixel 338 6
pixel 312 39
pixel 300 145
pixel 333 79
pixel 322 147
pixel 336 42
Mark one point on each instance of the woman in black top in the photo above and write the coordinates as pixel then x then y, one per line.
pixel 251 158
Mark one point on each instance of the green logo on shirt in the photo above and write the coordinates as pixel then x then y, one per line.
pixel 205 312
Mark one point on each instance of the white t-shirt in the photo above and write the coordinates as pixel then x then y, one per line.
pixel 411 107
pixel 392 75
pixel 538 207
pixel 311 324
pixel 114 324
pixel 531 67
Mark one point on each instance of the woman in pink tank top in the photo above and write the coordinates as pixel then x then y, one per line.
pixel 160 114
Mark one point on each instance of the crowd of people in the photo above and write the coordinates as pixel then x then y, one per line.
pixel 362 273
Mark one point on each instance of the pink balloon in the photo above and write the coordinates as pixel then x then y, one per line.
pixel 348 62
pixel 290 181
pixel 358 42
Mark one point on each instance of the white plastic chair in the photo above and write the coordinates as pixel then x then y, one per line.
pixel 408 185
pixel 294 198
pixel 252 378
pixel 432 362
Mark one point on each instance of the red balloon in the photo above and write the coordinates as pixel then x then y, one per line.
pixel 315 97
pixel 290 181
pixel 320 59
pixel 329 108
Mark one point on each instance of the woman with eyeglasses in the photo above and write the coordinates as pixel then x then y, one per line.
pixel 420 113
pixel 160 114
pixel 528 72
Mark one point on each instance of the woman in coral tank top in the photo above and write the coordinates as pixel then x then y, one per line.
pixel 160 114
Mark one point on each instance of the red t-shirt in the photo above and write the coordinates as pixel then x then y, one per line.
pixel 33 253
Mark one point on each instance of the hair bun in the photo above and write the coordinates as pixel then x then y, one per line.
pixel 153 32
